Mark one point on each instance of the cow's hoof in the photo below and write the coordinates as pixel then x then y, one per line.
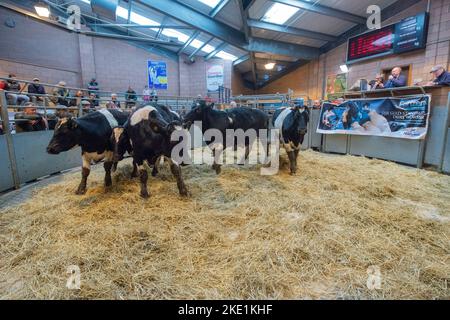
pixel 293 173
pixel 108 184
pixel 184 193
pixel 80 191
pixel 154 173
pixel 145 195
pixel 217 168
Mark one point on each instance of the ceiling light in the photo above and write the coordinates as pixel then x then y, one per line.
pixel 269 66
pixel 344 68
pixel 42 9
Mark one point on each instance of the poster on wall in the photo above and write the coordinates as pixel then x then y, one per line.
pixel 214 78
pixel 336 83
pixel 387 117
pixel 157 75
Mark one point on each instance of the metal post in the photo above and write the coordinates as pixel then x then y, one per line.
pixel 444 144
pixel 9 141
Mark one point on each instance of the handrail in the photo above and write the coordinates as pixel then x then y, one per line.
pixel 385 90
pixel 86 89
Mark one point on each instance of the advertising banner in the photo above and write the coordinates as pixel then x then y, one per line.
pixel 387 117
pixel 214 78
pixel 157 75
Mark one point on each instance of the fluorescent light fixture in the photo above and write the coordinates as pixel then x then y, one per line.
pixel 344 68
pixel 269 66
pixel 42 9
pixel 279 13
pixel 210 3
pixel 226 56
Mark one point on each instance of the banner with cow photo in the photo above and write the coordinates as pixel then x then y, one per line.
pixel 387 117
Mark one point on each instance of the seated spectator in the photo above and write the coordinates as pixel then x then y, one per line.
pixel 376 84
pixel 396 79
pixel 146 94
pixel 441 77
pixel 93 86
pixel 78 99
pixel 61 94
pixel 61 112
pixel 93 101
pixel 86 106
pixel 317 104
pixel 130 97
pixel 113 103
pixel 30 119
pixel 15 96
pixel 154 96
pixel 2 85
pixel 36 88
pixel 233 104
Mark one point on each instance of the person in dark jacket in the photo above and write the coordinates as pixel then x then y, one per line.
pixel 396 79
pixel 130 97
pixel 15 95
pixel 93 87
pixel 93 100
pixel 441 77
pixel 30 119
pixel 36 88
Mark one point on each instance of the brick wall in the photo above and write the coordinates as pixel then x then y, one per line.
pixel 35 49
pixel 309 79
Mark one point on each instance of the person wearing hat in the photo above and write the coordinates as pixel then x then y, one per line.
pixel 61 94
pixel 441 76
pixel 36 88
pixel 93 86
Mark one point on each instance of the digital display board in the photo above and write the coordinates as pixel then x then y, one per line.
pixel 407 35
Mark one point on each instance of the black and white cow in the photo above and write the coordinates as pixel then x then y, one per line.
pixel 235 118
pixel 92 133
pixel 293 126
pixel 148 131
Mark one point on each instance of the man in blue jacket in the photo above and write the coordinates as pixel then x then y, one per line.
pixel 396 79
pixel 441 77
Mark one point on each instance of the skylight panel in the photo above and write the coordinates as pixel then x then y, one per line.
pixel 210 3
pixel 208 48
pixel 279 13
pixel 196 43
pixel 175 34
pixel 226 56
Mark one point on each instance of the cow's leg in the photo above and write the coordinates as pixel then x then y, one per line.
pixel 85 171
pixel 296 151
pixel 291 155
pixel 134 173
pixel 155 167
pixel 176 171
pixel 108 166
pixel 217 152
pixel 143 175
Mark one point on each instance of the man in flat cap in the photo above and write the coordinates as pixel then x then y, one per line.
pixel 441 77
pixel 36 88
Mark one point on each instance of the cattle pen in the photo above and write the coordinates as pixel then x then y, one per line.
pixel 241 235
pixel 202 155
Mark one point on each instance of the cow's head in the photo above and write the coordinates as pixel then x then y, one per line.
pixel 65 136
pixel 196 114
pixel 301 116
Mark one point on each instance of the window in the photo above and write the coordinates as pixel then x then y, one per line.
pixel 279 13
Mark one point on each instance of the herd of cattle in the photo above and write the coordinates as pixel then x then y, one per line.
pixel 108 134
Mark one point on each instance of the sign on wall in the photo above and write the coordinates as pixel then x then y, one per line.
pixel 157 74
pixel 388 117
pixel 214 78
pixel 336 85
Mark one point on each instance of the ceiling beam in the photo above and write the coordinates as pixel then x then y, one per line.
pixel 142 26
pixel 215 11
pixel 290 30
pixel 244 17
pixel 191 56
pixel 226 33
pixel 252 60
pixel 247 4
pixel 219 48
pixel 129 38
pixel 323 10
pixel 241 59
pixel 189 41
pixel 386 13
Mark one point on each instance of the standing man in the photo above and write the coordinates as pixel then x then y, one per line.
pixel 396 79
pixel 441 77
pixel 130 98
